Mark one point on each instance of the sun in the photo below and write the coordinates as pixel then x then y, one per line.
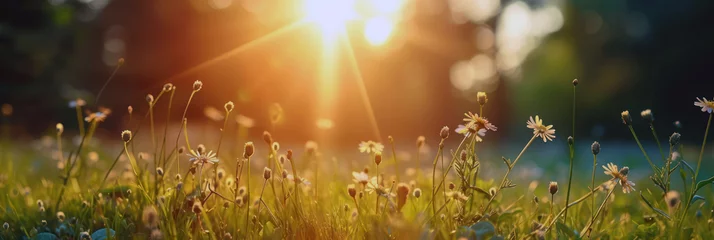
pixel 330 15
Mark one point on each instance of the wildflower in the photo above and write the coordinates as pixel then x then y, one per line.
pixel 361 178
pixel 244 121
pixel 474 120
pixel 452 186
pixel 571 140
pixel 647 115
pixel 77 103
pixel 595 148
pixel 202 158
pixel 310 147
pixel 471 130
pixel 674 139
pixel 575 82
pixel 672 199
pixel 284 174
pixel 378 158
pixel 543 131
pixel 168 87
pixel 370 147
pixel 6 226
pixel 276 146
pixel 150 99
pixel 481 98
pixel 457 196
pixel 248 150
pixel 60 216
pixel 626 118
pixel 197 85
pixel 60 128
pixel 619 176
pixel 98 116
pixel 267 173
pixel 160 171
pixel 553 188
pixel 402 193
pixel 444 133
pixel 374 186
pixel 706 105
pixel 417 192
pixel 421 140
pixel 351 190
pixel 84 235
pixel 150 217
pixel 282 159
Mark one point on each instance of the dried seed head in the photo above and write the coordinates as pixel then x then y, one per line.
pixel 365 170
pixel 197 85
pixel 674 139
pixel 553 188
pixel 150 217
pixel 42 209
pixel 351 190
pixel 229 106
pixel 149 98
pixel 248 149
pixel 672 199
pixel 60 216
pixel 346 208
pixel 126 136
pixel 276 146
pixel 647 115
pixel 40 203
pixel 6 226
pixel 482 98
pixel 84 235
pixel 168 87
pixel 390 138
pixel 197 207
pixel 181 150
pixel 492 191
pixel 220 173
pixel 267 137
pixel 402 193
pixel 289 155
pixel 420 141
pixel 120 62
pixel 571 140
pixel 130 109
pixel 595 148
pixel 417 192
pixel 44 223
pixel 575 82
pixel 626 118
pixel 267 173
pixel 624 171
pixel 535 199
pixel 452 186
pixel 201 149
pixel 226 204
pixel 177 177
pixel 179 186
pixel 241 190
pixel 160 171
pixel 60 128
pixel 282 159
pixel 444 133
pixel 377 158
pixel 464 155
pixel 284 174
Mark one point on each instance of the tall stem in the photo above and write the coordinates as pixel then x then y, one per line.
pixel 433 176
pixel 696 172
pixel 570 181
pixel 654 169
pixel 659 146
pixel 505 176
pixel 602 206
pixel 592 186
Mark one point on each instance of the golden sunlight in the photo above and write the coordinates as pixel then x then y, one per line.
pixel 377 30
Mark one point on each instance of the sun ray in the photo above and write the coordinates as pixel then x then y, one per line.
pixel 362 89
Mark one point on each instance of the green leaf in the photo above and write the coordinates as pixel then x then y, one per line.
pixel 696 198
pixel 660 212
pixel 687 165
pixel 703 183
pixel 483 229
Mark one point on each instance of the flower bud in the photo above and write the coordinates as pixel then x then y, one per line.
pixel 248 150
pixel 229 106
pixel 197 85
pixel 647 115
pixel 150 98
pixel 674 139
pixel 553 188
pixel 595 148
pixel 60 128
pixel 626 118
pixel 351 190
pixel 417 193
pixel 444 133
pixel 378 158
pixel 481 98
pixel 267 138
pixel 571 140
pixel 168 87
pixel 267 173
pixel 126 135
pixel 575 82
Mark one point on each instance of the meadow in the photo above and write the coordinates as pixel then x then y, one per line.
pixel 75 187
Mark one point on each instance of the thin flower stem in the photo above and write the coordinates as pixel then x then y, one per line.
pixel 394 157
pixel 433 176
pixel 696 172
pixel 451 164
pixel 183 119
pixel 247 209
pixel 261 195
pixel 592 186
pixel 602 206
pixel 659 146
pixel 80 121
pixel 570 180
pixel 376 209
pixel 654 169
pixel 575 202
pixel 505 177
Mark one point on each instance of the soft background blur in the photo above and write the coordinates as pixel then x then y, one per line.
pixel 420 62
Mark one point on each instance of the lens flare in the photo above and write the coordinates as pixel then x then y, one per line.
pixel 378 30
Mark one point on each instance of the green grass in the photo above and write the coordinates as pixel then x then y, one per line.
pixel 304 194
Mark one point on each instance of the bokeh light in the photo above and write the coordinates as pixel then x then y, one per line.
pixel 377 30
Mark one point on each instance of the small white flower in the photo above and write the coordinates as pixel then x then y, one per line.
pixel 543 131
pixel 371 147
pixel 198 158
pixel 706 105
